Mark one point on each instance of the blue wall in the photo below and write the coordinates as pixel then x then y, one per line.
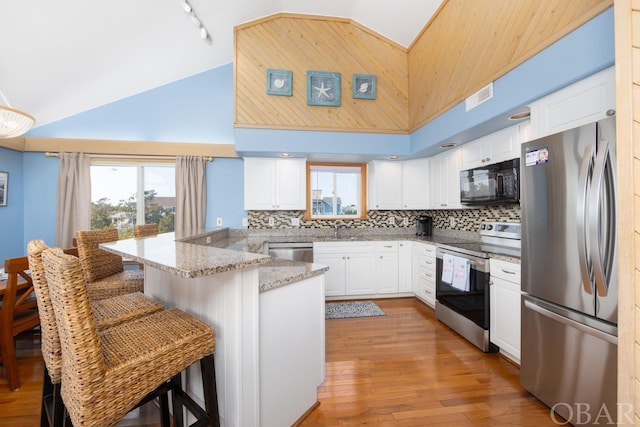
pixel 200 109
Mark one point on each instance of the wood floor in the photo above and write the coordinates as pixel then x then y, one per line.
pixel 402 369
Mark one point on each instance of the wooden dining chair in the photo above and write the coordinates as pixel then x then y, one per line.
pixel 18 314
pixel 104 271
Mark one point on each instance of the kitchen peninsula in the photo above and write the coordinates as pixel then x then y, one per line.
pixel 268 316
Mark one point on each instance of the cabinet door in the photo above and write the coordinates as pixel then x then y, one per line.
pixel 387 267
pixel 505 317
pixel 385 185
pixel 259 183
pixel 452 181
pixel 415 184
pixel 335 277
pixel 473 154
pixel 503 145
pixel 290 184
pixel 580 103
pixel 405 266
pixel 360 270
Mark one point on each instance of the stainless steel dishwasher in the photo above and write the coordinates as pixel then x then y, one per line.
pixel 292 251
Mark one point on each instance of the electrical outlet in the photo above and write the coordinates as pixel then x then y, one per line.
pixel 405 221
pixel 295 222
pixel 218 222
pixel 391 220
pixel 272 221
pixel 452 222
pixel 245 222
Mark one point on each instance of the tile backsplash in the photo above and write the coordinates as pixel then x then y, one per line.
pixel 454 219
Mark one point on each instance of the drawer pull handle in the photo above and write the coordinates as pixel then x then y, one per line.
pixel 507 271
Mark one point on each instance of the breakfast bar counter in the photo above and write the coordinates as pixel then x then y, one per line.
pixel 268 316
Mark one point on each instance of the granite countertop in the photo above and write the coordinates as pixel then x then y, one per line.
pixel 194 257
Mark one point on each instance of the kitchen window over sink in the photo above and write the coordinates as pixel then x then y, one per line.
pixel 336 190
pixel 115 186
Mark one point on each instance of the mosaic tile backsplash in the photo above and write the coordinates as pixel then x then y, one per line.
pixel 455 219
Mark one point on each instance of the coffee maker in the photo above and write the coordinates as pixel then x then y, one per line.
pixel 424 225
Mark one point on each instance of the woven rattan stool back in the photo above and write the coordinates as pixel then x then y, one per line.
pixel 97 263
pixel 144 230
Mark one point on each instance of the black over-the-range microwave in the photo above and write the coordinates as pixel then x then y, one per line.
pixel 491 184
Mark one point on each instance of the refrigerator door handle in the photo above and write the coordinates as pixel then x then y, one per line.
pixel 595 224
pixel 581 213
pixel 572 323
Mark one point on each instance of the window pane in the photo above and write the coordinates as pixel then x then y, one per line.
pixel 335 191
pixel 160 196
pixel 113 197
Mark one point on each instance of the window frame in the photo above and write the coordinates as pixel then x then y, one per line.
pixel 363 191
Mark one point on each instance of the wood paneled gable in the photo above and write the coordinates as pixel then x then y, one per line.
pixel 302 43
pixel 468 44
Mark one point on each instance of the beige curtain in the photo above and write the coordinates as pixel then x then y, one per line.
pixel 73 210
pixel 191 193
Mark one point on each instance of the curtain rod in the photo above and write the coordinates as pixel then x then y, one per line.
pixel 128 156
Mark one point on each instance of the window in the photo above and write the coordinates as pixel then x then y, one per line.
pixel 336 190
pixel 115 187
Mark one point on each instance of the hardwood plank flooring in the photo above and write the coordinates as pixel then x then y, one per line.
pixel 404 369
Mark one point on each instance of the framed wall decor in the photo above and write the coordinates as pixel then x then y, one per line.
pixel 323 88
pixel 279 82
pixel 4 188
pixel 364 86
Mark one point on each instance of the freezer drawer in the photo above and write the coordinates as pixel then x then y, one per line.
pixel 568 365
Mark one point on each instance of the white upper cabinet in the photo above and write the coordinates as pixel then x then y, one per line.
pixel 398 184
pixel 274 184
pixel 445 180
pixel 415 184
pixel 385 185
pixel 583 102
pixel 494 148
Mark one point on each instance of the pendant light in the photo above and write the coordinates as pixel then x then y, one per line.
pixel 13 122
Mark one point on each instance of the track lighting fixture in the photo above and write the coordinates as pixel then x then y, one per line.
pixel 204 34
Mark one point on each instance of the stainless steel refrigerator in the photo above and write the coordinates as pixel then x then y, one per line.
pixel 569 272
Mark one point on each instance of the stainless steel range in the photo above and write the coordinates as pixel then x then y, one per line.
pixel 462 285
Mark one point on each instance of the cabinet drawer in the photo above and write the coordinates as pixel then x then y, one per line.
pixel 429 250
pixel 427 275
pixel 426 262
pixel 505 270
pixel 426 290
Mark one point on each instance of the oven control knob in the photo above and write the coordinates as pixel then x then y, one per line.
pixel 489 227
pixel 482 226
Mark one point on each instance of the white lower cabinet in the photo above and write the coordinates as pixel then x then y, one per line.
pixel 351 267
pixel 424 272
pixel 386 267
pixel 405 266
pixel 504 308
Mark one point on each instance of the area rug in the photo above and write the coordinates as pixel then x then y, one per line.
pixel 344 310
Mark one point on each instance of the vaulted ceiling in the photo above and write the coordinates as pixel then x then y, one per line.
pixel 59 58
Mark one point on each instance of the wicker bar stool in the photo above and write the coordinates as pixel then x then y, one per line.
pixel 144 230
pixel 107 312
pixel 106 374
pixel 103 271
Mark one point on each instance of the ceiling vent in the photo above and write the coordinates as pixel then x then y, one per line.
pixel 483 95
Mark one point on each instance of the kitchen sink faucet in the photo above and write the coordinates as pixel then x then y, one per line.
pixel 336 226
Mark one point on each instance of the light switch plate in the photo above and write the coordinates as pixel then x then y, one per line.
pixel 295 222
pixel 391 220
